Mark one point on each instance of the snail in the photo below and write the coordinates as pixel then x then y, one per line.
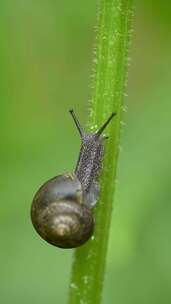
pixel 61 209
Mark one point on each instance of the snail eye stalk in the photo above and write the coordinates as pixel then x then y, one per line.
pixel 100 131
pixel 77 123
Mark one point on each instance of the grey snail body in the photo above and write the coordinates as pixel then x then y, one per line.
pixel 61 209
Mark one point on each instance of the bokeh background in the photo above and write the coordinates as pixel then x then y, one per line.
pixel 45 64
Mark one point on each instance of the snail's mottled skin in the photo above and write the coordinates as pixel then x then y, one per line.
pixel 61 209
pixel 89 166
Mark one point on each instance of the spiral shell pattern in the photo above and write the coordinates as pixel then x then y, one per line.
pixel 58 213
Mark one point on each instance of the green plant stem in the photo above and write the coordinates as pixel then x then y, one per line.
pixel 110 66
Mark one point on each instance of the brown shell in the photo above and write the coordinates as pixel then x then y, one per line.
pixel 59 215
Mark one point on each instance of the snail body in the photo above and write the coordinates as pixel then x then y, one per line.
pixel 61 209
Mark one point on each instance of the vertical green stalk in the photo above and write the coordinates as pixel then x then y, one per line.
pixel 110 67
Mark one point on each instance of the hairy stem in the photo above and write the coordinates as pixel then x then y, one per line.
pixel 108 84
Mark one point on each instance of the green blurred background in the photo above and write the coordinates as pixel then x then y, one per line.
pixel 45 63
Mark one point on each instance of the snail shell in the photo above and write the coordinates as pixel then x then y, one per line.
pixel 58 213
